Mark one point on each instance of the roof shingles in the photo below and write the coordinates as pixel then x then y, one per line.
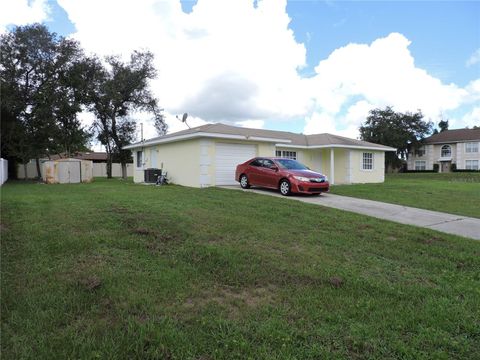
pixel 289 137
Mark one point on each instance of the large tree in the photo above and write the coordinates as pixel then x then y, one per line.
pixel 118 90
pixel 403 131
pixel 39 96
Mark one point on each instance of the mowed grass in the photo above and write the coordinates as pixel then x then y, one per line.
pixel 454 193
pixel 113 270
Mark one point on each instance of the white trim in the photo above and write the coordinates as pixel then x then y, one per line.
pixel 386 148
pixel 349 167
pixel 258 138
pixel 332 167
pixel 206 135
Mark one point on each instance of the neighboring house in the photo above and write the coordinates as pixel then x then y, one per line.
pixel 460 147
pixel 207 155
pixel 99 160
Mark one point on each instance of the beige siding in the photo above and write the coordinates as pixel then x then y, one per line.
pixel 179 159
pixel 376 175
pixel 192 162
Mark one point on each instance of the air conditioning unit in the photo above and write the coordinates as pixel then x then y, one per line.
pixel 151 175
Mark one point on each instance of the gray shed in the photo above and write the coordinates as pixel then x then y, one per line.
pixel 66 171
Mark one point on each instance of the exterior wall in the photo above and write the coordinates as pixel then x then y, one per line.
pixel 179 159
pixel 463 156
pixel 433 155
pixel 347 164
pixel 377 175
pixel 428 157
pixel 192 162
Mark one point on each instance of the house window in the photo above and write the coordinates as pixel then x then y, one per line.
pixel 420 165
pixel 471 164
pixel 446 151
pixel 420 151
pixel 286 154
pixel 139 159
pixel 471 147
pixel 367 161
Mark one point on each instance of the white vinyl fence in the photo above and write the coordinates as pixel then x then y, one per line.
pixel 99 170
pixel 3 171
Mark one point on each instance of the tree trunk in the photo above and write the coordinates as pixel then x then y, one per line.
pixel 124 170
pixel 39 173
pixel 109 165
pixel 25 171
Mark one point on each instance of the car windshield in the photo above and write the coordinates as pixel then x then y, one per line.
pixel 291 164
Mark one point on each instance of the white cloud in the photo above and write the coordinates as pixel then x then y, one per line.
pixel 474 59
pixel 234 62
pixel 471 118
pixel 22 12
pixel 382 73
pixel 254 124
pixel 224 61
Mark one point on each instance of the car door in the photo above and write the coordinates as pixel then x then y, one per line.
pixel 269 173
pixel 254 172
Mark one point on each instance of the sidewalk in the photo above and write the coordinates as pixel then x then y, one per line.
pixel 448 223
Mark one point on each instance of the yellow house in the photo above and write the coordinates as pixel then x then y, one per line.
pixel 208 155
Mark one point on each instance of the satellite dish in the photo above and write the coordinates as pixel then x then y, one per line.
pixel 184 117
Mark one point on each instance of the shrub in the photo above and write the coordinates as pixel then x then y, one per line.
pixel 436 167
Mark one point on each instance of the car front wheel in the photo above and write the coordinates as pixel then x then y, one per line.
pixel 284 187
pixel 244 182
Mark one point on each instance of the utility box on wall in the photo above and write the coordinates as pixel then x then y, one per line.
pixel 67 171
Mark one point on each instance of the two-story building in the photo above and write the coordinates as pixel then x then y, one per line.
pixel 460 147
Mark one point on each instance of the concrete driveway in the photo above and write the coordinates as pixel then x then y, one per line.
pixel 448 223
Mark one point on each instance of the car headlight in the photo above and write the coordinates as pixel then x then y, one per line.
pixel 302 178
pixel 326 178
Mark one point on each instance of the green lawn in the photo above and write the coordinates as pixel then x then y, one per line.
pixel 113 270
pixel 455 193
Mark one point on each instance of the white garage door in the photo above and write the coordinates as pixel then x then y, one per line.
pixel 227 157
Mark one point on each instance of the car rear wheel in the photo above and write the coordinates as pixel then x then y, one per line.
pixel 284 187
pixel 244 181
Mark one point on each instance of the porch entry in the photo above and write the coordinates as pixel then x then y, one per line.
pixel 445 166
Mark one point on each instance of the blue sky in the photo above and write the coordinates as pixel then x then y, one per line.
pixel 258 64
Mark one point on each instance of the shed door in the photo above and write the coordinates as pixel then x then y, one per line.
pixel 227 157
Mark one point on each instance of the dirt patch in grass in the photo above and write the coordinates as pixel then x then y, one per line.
pixel 232 299
pixel 336 281
pixel 142 231
pixel 90 283
pixel 432 240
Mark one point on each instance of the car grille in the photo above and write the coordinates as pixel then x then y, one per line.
pixel 317 189
pixel 317 180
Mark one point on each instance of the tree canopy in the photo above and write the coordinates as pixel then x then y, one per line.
pixel 41 93
pixel 46 81
pixel 117 91
pixel 402 131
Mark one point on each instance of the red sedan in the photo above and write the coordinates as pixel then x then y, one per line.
pixel 287 175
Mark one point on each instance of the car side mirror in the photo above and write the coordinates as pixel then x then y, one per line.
pixel 274 168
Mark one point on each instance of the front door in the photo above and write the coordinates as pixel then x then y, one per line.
pixel 445 167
